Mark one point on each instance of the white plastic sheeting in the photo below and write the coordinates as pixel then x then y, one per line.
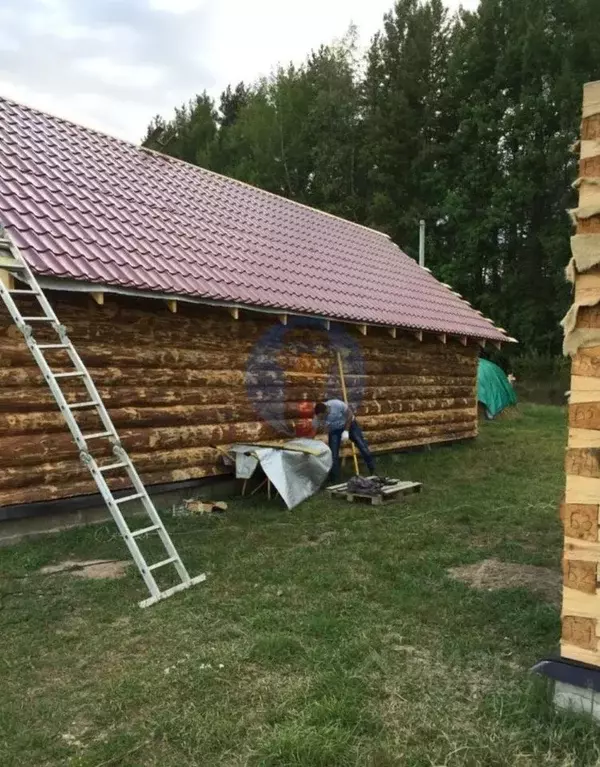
pixel 297 469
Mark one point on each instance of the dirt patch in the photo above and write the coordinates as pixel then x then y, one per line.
pixel 93 568
pixel 492 574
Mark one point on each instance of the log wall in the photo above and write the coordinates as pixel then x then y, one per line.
pixel 176 385
pixel 581 595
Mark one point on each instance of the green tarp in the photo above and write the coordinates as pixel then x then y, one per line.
pixel 494 390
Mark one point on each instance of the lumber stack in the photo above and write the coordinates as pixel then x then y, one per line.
pixel 581 597
pixel 179 384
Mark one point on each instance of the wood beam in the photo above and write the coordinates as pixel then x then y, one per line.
pixel 235 312
pixel 283 318
pixel 482 342
pixel 327 324
pixel 392 332
pixel 98 297
pixel 172 305
pixel 464 340
pixel 7 279
pixel 497 344
pixel 442 337
pixel 362 329
pixel 418 334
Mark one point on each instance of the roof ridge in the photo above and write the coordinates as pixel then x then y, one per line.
pixel 197 168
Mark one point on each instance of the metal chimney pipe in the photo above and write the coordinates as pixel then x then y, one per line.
pixel 421 242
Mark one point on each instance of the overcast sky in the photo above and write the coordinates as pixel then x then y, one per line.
pixel 114 64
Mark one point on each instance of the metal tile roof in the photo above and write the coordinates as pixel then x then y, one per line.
pixel 85 206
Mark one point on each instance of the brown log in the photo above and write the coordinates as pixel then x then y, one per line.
pixel 580 576
pixel 579 631
pixel 214 420
pixel 55 491
pixel 584 462
pixel 428 433
pixel 47 421
pixel 588 225
pixel 590 128
pixel 587 360
pixel 435 437
pixel 580 520
pixel 585 415
pixel 19 377
pixel 75 471
pixel 16 399
pixel 587 317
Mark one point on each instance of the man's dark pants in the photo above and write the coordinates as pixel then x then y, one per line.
pixel 356 435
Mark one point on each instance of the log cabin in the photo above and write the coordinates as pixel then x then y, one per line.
pixel 210 312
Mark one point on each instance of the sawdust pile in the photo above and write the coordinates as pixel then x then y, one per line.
pixel 93 568
pixel 492 575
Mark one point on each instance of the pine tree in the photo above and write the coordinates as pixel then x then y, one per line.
pixel 406 122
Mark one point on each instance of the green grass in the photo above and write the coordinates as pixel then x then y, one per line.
pixel 330 636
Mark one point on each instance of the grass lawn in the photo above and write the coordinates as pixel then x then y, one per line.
pixel 332 635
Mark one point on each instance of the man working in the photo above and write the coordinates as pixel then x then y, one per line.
pixel 335 417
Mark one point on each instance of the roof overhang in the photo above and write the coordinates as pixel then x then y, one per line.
pixel 97 291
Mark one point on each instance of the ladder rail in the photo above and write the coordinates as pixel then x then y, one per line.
pixel 151 511
pixel 95 403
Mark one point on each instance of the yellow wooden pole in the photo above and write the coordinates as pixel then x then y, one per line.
pixel 345 395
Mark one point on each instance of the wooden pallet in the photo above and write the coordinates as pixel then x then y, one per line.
pixel 388 494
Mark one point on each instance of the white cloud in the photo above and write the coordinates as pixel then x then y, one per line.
pixel 176 6
pixel 120 75
pixel 114 64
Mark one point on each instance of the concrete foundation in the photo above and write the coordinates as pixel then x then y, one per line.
pixel 579 700
pixel 26 522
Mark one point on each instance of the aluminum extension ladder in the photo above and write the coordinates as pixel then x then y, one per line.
pixel 13 262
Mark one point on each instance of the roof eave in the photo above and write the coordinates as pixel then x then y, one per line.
pixel 81 286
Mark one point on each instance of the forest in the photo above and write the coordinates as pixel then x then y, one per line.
pixel 466 120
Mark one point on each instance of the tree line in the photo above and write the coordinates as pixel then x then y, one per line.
pixel 465 120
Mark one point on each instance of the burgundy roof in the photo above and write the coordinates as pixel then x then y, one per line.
pixel 85 206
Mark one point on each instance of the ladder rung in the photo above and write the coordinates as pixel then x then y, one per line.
pixel 91 403
pixel 38 319
pixel 53 346
pixel 165 562
pixel 97 435
pixel 144 530
pixel 67 375
pixel 133 497
pixel 22 292
pixel 112 466
pixel 8 266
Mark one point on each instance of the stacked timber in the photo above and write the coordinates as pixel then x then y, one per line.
pixel 177 385
pixel 581 597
